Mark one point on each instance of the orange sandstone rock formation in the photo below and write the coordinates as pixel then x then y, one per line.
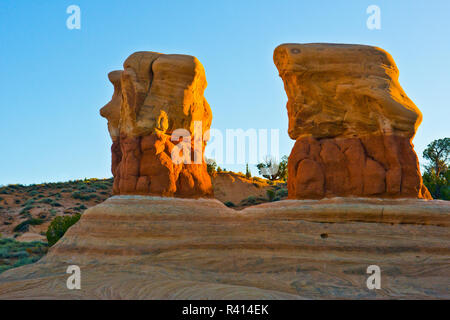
pixel 155 96
pixel 352 122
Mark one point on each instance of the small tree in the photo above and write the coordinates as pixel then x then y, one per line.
pixel 272 170
pixel 211 166
pixel 248 174
pixel 437 176
pixel 283 168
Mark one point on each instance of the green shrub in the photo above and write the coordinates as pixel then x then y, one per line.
pixel 20 254
pixel 29 202
pixel 81 196
pixel 101 186
pixel 230 204
pixel 26 210
pixel 252 200
pixel 282 193
pixel 59 226
pixel 270 194
pixel 24 226
pixel 15 254
pixel 25 260
pixel 46 201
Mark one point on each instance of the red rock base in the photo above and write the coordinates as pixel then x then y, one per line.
pixel 371 166
pixel 143 166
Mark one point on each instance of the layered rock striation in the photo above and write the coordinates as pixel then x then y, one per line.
pixel 158 120
pixel 142 247
pixel 352 122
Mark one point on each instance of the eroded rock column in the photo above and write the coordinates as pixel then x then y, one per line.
pixel 156 96
pixel 352 122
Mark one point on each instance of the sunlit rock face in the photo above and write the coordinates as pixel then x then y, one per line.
pixel 155 96
pixel 352 122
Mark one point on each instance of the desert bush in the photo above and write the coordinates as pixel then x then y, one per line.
pixel 282 193
pixel 100 185
pixel 20 254
pixel 252 200
pixel 59 226
pixel 82 196
pixel 26 210
pixel 24 226
pixel 25 260
pixel 270 194
pixel 16 254
pixel 46 201
pixel 29 202
pixel 230 204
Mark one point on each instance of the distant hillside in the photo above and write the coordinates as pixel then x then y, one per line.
pixel 26 211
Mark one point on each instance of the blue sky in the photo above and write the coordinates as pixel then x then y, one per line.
pixel 54 80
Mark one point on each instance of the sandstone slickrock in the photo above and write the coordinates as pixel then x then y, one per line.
pixel 140 247
pixel 352 122
pixel 155 96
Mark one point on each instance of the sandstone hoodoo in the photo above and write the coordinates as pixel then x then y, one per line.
pixel 352 122
pixel 155 97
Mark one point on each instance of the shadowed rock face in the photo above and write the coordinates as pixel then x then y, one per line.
pixel 155 95
pixel 352 122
